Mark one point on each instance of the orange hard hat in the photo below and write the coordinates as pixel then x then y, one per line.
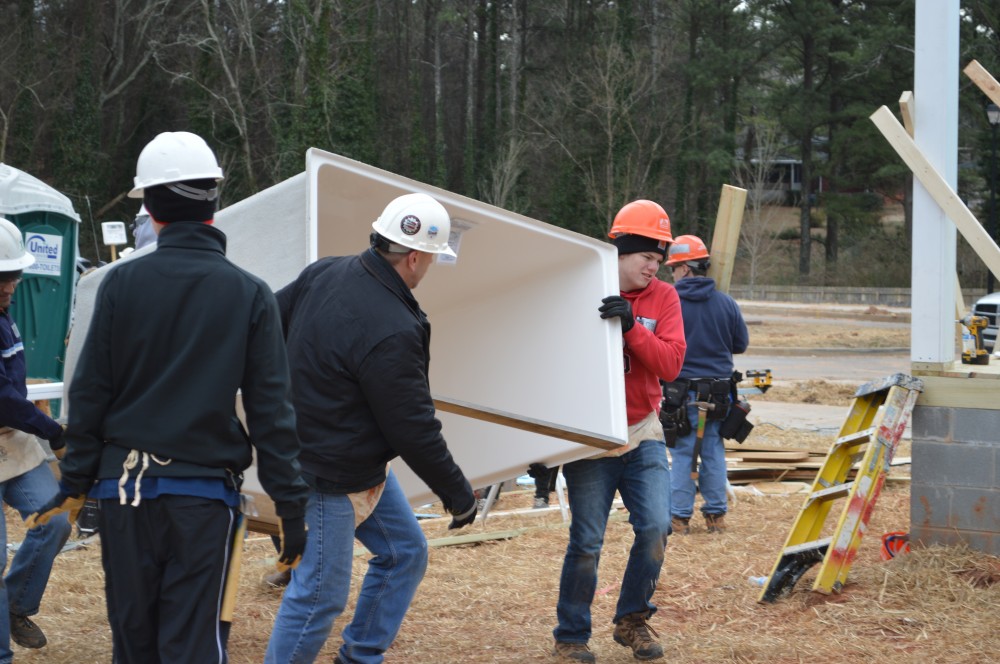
pixel 644 218
pixel 686 248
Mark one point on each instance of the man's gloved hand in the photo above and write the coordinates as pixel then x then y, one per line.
pixel 616 305
pixel 58 443
pixel 459 519
pixel 293 543
pixel 63 501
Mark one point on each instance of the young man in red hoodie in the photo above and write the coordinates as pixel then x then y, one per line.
pixel 653 335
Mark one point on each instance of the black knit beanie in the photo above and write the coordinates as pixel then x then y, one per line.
pixel 191 200
pixel 634 244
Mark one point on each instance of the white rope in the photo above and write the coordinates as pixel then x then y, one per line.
pixel 131 461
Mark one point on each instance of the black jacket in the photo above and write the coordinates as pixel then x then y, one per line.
pixel 358 346
pixel 174 335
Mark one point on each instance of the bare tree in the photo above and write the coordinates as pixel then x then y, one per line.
pixel 602 116
pixel 507 168
pixel 757 235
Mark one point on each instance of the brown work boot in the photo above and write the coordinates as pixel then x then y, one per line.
pixel 572 652
pixel 680 526
pixel 633 631
pixel 26 633
pixel 715 523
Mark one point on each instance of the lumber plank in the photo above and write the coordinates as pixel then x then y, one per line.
pixel 726 237
pixel 984 80
pixel 906 110
pixel 486 414
pixel 938 188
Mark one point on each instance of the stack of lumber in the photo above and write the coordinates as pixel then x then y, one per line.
pixel 749 463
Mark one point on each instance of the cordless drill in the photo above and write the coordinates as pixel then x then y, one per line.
pixel 974 353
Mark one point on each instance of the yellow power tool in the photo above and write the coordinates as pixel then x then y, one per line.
pixel 972 343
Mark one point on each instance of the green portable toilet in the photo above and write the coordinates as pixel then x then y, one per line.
pixel 43 304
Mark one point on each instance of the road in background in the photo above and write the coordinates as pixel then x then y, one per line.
pixel 841 366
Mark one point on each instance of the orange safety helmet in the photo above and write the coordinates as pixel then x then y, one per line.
pixel 686 248
pixel 644 218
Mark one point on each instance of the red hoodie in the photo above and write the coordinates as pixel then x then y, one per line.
pixel 654 347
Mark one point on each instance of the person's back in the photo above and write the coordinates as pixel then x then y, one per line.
pixel 715 330
pixel 153 432
pixel 359 352
pixel 188 349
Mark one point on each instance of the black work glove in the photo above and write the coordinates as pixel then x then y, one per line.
pixel 616 305
pixel 58 444
pixel 63 501
pixel 293 543
pixel 459 519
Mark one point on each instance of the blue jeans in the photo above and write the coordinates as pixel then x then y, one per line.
pixel 22 587
pixel 642 477
pixel 711 469
pixel 320 584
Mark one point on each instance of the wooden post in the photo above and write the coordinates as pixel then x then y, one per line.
pixel 726 238
pixel 906 110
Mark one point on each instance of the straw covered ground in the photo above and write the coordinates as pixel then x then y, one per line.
pixel 495 601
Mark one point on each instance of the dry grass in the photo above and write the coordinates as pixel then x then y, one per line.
pixel 798 334
pixel 495 602
pixel 824 392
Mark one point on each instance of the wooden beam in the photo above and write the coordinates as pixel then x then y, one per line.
pixel 981 392
pixel 526 423
pixel 982 78
pixel 726 238
pixel 906 110
pixel 938 188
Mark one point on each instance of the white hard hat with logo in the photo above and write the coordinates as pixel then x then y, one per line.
pixel 174 156
pixel 416 221
pixel 13 256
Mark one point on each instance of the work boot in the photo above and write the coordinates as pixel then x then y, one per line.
pixel 633 631
pixel 278 579
pixel 715 523
pixel 680 526
pixel 540 503
pixel 573 652
pixel 26 633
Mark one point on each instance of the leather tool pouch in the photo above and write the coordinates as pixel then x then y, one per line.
pixel 673 411
pixel 716 392
pixel 736 426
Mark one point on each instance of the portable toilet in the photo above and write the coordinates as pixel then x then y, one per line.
pixel 43 303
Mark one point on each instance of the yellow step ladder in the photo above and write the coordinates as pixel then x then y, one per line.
pixel 870 434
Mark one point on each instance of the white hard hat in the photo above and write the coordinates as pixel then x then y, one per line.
pixel 416 221
pixel 174 156
pixel 13 256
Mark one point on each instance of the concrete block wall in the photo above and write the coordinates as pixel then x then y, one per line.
pixel 955 490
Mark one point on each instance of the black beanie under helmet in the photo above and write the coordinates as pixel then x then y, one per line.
pixel 191 200
pixel 634 244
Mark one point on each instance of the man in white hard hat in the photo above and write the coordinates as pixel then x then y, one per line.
pixel 358 348
pixel 26 481
pixel 142 229
pixel 153 433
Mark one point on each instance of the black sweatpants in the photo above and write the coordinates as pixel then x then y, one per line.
pixel 165 565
